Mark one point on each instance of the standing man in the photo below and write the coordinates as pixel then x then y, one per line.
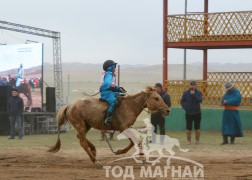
pixel 190 102
pixel 20 75
pixel 156 118
pixel 15 109
pixel 231 123
pixel 11 81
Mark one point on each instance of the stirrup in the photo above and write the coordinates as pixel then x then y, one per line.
pixel 108 122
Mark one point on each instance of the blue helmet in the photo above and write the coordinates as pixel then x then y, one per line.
pixel 107 64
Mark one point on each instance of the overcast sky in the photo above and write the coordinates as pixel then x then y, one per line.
pixel 128 31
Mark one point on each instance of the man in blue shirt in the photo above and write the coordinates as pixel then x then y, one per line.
pixel 190 102
pixel 109 90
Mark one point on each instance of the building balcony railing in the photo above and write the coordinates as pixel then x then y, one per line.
pixel 213 89
pixel 201 27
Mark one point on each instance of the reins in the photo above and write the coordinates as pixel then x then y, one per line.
pixel 148 111
pixel 85 94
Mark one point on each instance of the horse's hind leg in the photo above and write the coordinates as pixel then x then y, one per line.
pixel 92 148
pixel 82 130
pixel 85 145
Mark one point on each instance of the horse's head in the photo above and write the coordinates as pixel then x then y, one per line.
pixel 155 102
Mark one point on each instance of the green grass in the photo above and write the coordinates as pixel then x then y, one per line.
pixel 209 140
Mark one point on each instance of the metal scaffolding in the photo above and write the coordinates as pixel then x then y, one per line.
pixel 57 65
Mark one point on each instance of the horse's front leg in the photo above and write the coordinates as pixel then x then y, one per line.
pixel 125 150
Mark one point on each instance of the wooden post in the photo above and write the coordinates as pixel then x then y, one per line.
pixel 205 64
pixel 206 34
pixel 165 50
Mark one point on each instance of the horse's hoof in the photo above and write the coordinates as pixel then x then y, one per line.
pixel 94 153
pixel 119 151
pixel 98 165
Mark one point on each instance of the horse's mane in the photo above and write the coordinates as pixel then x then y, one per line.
pixel 148 89
pixel 131 96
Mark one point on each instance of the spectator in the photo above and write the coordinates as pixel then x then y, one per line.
pixel 31 82
pixel 190 102
pixel 231 123
pixel 11 81
pixel 156 118
pixel 36 82
pixel 15 109
pixel 4 81
pixel 1 81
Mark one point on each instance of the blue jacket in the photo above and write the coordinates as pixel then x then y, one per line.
pixel 109 92
pixel 191 103
pixel 233 98
pixel 108 79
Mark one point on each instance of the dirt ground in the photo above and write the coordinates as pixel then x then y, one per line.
pixel 36 163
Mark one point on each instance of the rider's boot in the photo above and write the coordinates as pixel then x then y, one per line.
pixel 108 119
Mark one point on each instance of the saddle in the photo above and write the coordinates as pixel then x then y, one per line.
pixel 102 100
pixel 119 98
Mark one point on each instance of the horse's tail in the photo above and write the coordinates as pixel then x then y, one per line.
pixel 62 119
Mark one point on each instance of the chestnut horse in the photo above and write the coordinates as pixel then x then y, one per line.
pixel 86 113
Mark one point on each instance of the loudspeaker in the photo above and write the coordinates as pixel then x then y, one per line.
pixel 4 124
pixel 3 103
pixel 4 90
pixel 50 99
pixel 4 94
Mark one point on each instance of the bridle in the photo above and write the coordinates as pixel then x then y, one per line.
pixel 158 106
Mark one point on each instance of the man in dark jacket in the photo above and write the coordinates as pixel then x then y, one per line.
pixel 190 102
pixel 15 109
pixel 156 117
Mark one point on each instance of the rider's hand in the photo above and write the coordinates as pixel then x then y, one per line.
pixel 122 90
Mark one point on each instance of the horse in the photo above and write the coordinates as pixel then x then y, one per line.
pixel 24 88
pixel 89 112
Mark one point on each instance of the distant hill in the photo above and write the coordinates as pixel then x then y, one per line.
pixel 86 77
pixel 33 71
pixel 146 73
